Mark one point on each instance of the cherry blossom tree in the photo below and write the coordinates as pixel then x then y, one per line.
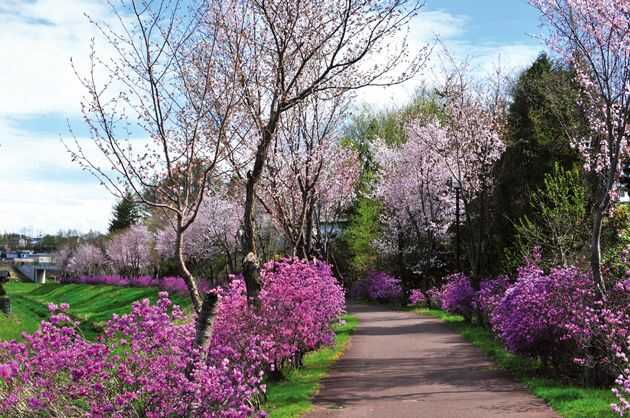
pixel 467 143
pixel 87 259
pixel 592 36
pixel 129 251
pixel 412 187
pixel 287 51
pixel 309 178
pixel 168 83
pixel 214 232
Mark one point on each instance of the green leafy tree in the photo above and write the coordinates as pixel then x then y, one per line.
pixel 360 235
pixel 557 223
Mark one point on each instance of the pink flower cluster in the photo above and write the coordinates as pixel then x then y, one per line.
pixel 416 297
pixel 299 301
pixel 378 286
pixel 458 295
pixel 145 363
pixel 490 293
pixel 168 284
pixel 534 316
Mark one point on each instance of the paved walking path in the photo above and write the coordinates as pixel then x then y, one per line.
pixel 402 365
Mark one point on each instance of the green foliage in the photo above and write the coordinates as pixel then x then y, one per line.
pixel 540 122
pixel 566 400
pixel 364 228
pixel 126 213
pixel 557 219
pixel 292 397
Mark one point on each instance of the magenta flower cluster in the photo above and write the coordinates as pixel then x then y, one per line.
pixel 490 293
pixel 378 286
pixel 299 301
pixel 168 284
pixel 556 316
pixel 458 295
pixel 416 297
pixel 145 363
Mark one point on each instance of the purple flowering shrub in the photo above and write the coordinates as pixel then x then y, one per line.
pixel 299 301
pixel 535 315
pixel 416 297
pixel 490 293
pixel 383 288
pixel 137 368
pixel 145 363
pixel 168 284
pixel 458 295
pixel 378 286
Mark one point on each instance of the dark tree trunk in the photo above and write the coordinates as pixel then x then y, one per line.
pixel 248 242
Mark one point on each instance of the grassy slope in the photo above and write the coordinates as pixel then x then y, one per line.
pixel 293 397
pixel 568 401
pixel 92 305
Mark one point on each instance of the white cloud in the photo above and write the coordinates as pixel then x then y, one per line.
pixel 483 57
pixel 38 39
pixel 44 190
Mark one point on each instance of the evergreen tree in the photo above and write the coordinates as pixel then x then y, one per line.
pixel 126 214
pixel 541 120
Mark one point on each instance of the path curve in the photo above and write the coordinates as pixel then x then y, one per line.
pixel 401 365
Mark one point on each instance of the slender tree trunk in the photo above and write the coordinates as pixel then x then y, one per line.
pixel 203 328
pixel 596 267
pixel 186 274
pixel 250 261
pixel 204 309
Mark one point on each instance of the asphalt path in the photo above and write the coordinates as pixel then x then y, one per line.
pixel 400 365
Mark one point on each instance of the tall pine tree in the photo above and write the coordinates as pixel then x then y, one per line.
pixel 126 213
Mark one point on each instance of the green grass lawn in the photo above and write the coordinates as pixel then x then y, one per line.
pixel 90 304
pixel 568 401
pixel 292 397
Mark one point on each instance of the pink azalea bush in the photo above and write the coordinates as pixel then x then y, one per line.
pixel 416 297
pixel 490 293
pixel 145 363
pixel 299 301
pixel 458 295
pixel 378 286
pixel 536 314
pixel 168 284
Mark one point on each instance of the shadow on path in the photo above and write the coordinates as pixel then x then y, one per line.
pixel 403 365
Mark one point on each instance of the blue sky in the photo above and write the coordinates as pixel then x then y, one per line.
pixel 43 191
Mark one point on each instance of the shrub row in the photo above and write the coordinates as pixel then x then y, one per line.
pixel 167 284
pixel 145 363
pixel 378 286
pixel 555 316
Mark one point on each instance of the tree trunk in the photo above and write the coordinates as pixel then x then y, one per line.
pixel 203 327
pixel 203 309
pixel 186 274
pixel 248 242
pixel 596 267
